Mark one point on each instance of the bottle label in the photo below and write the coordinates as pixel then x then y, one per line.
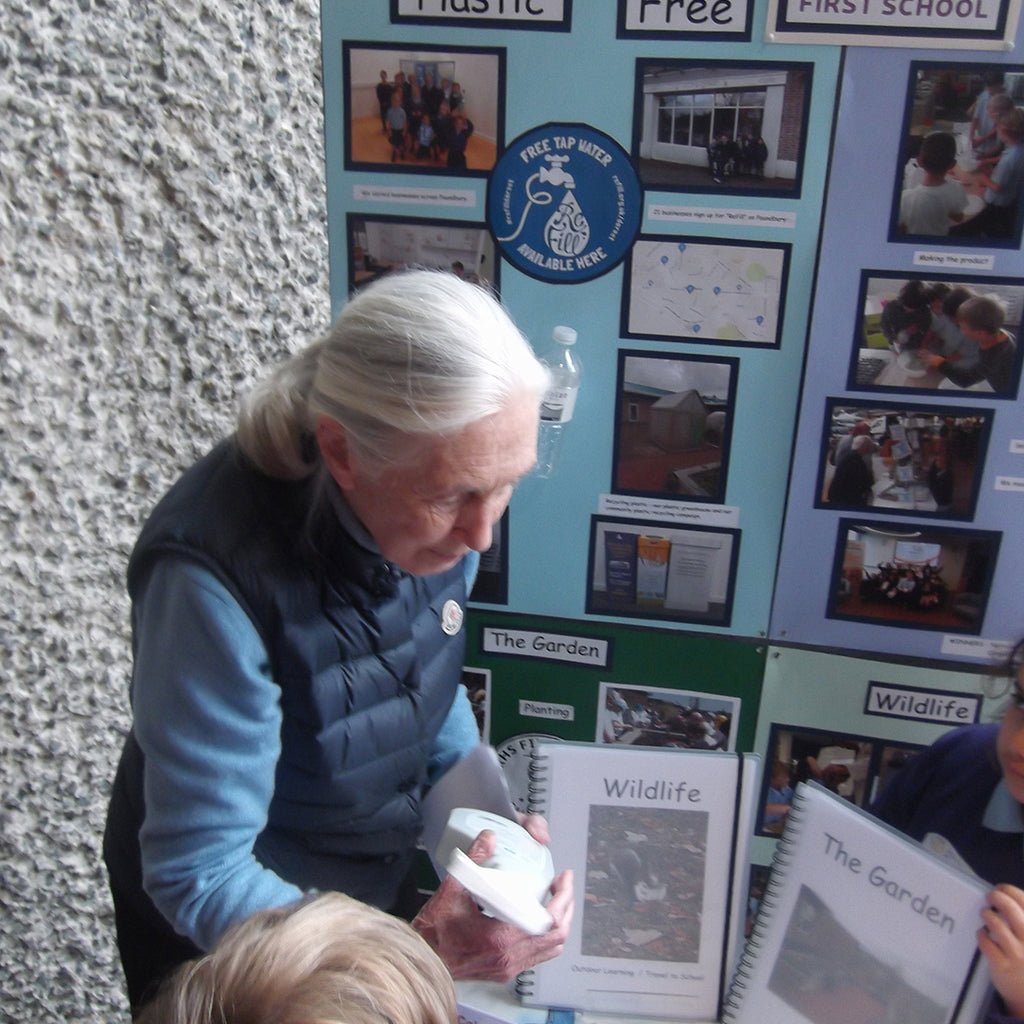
pixel 558 404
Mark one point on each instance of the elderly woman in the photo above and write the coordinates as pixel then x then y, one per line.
pixel 297 604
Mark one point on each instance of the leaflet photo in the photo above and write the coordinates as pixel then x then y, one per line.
pixel 660 570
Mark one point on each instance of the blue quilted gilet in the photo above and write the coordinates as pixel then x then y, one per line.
pixel 367 675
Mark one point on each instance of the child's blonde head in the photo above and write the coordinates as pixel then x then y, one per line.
pixel 1000 104
pixel 326 960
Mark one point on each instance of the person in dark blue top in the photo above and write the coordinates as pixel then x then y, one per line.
pixel 298 604
pixel 968 789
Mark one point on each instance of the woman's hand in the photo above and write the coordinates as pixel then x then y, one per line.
pixel 1001 941
pixel 477 947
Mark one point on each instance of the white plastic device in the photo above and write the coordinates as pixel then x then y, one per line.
pixel 513 883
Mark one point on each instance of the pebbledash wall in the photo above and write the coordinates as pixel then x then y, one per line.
pixel 162 238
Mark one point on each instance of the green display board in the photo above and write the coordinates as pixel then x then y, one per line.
pixel 554 676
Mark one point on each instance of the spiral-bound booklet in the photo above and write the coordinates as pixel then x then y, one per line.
pixel 657 838
pixel 859 923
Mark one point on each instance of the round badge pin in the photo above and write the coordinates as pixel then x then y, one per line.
pixel 451 617
pixel 564 203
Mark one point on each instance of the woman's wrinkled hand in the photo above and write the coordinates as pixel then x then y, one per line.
pixel 476 947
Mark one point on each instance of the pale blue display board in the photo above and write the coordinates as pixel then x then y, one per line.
pixel 588 77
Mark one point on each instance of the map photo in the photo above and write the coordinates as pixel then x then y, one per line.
pixel 719 291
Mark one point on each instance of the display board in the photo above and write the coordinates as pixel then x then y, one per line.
pixel 729 223
pixel 848 722
pixel 606 682
pixel 794 427
pixel 927 560
pixel 653 178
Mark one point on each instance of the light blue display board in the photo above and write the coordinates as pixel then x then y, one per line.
pixel 981 605
pixel 589 77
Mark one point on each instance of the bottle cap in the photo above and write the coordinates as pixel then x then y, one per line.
pixel 564 335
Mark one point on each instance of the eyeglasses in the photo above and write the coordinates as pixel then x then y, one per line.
pixel 1006 683
pixel 1015 662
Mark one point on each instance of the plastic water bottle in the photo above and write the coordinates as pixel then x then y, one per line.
pixel 556 407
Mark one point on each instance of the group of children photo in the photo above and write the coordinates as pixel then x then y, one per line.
pixel 425 121
pixel 955 331
pixel 966 178
pixel 729 157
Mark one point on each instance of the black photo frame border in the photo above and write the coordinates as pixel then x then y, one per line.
pixel 832 403
pixel 971 280
pixel 349 45
pixel 943 241
pixel 624 309
pixel 397 218
pixel 929 534
pixel 733 362
pixel 793 192
pixel 634 611
pixel 879 746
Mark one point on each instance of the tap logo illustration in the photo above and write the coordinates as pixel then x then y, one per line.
pixel 564 202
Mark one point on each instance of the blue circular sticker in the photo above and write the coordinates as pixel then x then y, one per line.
pixel 564 203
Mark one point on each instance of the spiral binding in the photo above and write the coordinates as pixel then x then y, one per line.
pixel 524 984
pixel 536 803
pixel 537 783
pixel 780 866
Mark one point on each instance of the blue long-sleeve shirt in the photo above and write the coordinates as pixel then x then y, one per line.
pixel 208 718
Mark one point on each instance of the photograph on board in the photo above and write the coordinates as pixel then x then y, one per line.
pixel 892 757
pixel 381 244
pixel 653 888
pixel 477 682
pixel 733 127
pixel 852 766
pixel 654 716
pixel 914 460
pixel 657 570
pixel 960 173
pixel 937 332
pixel 837 761
pixel 757 888
pixel 423 109
pixel 893 574
pixel 715 291
pixel 673 424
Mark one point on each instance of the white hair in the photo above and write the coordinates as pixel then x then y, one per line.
pixel 420 352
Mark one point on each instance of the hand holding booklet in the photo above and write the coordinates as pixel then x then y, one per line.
pixel 860 923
